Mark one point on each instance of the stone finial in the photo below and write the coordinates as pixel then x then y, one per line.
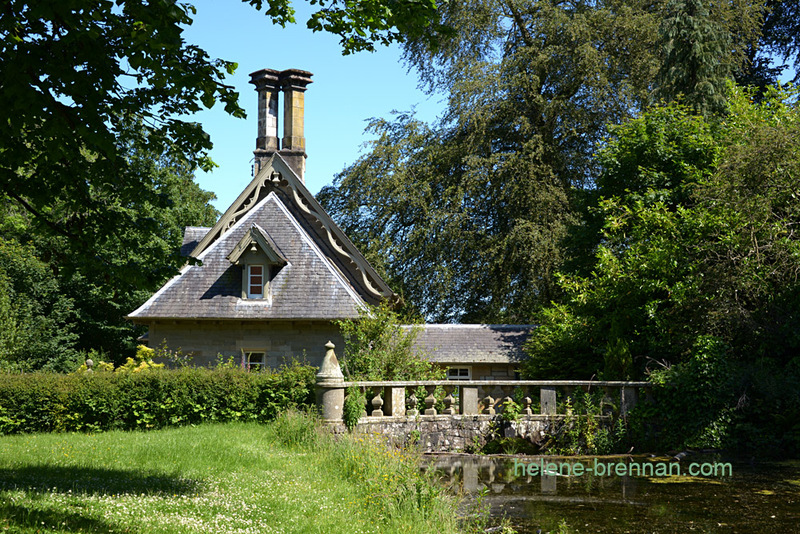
pixel 330 365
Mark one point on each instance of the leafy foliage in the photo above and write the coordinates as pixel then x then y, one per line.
pixel 471 218
pixel 695 278
pixel 693 396
pixel 362 24
pixel 699 242
pixel 378 347
pixel 36 318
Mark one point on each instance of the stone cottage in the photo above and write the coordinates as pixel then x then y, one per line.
pixel 275 271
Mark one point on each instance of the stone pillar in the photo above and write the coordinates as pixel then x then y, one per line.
pixel 629 398
pixel 293 146
pixel 395 400
pixel 547 399
pixel 267 84
pixel 330 387
pixel 468 400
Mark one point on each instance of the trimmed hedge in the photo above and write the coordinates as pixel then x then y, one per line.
pixel 41 402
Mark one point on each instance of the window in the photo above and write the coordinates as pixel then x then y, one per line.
pixel 255 281
pixel 254 360
pixel 459 373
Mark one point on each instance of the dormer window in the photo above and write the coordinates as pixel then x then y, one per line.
pixel 255 281
pixel 260 259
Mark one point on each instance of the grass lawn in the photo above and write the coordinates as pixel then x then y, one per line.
pixel 224 478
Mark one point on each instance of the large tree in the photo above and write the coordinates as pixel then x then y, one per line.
pixel 696 64
pixel 468 217
pixel 698 240
pixel 73 73
pixel 96 154
pixel 146 244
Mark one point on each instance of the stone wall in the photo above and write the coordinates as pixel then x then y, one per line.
pixel 281 341
pixel 452 433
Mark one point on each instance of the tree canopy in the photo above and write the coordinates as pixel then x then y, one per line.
pixel 469 217
pixel 97 154
pixel 149 245
pixel 73 74
pixel 698 240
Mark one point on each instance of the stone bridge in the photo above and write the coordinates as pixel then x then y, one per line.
pixel 458 415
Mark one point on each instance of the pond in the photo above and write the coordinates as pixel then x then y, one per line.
pixel 631 494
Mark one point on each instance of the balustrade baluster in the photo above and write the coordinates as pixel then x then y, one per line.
pixel 377 403
pixel 449 409
pixel 488 403
pixel 413 401
pixel 507 390
pixel 430 400
pixel 527 410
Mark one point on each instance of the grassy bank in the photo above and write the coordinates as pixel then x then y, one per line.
pixel 220 478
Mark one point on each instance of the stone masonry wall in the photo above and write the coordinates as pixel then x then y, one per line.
pixel 452 433
pixel 281 341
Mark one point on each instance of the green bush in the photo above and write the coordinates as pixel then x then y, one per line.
pixel 40 402
pixel 714 401
pixel 379 347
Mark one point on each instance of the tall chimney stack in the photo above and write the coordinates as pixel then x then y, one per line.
pixel 268 84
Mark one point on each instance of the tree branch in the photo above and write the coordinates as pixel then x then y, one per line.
pixel 36 213
pixel 526 36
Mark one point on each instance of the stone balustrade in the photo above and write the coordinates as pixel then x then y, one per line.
pixel 401 399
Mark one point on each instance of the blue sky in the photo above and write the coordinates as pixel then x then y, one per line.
pixel 347 91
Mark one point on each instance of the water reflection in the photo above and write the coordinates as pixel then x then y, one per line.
pixel 762 498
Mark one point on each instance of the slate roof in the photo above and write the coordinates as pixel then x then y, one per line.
pixel 326 276
pixel 472 343
pixel 277 176
pixel 191 237
pixel 310 286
